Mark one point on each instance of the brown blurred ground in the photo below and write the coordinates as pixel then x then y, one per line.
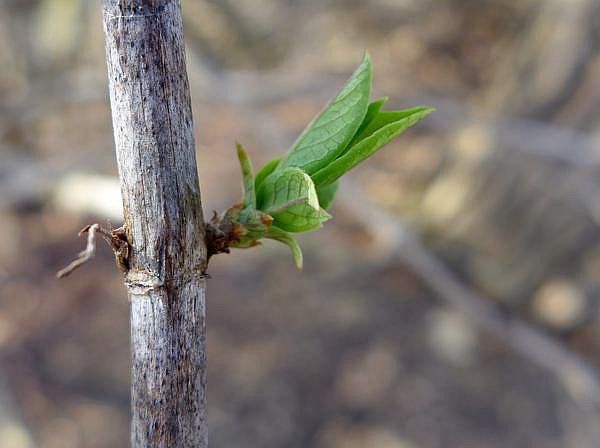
pixel 355 351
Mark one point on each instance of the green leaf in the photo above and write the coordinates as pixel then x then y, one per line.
pixel 284 187
pixel 372 112
pixel 300 218
pixel 264 172
pixel 326 194
pixel 370 144
pixel 291 199
pixel 388 117
pixel 249 200
pixel 290 194
pixel 279 235
pixel 329 133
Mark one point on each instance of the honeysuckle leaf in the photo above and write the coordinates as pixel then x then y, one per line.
pixel 370 143
pixel 264 172
pixel 329 133
pixel 291 194
pixel 326 194
pixel 249 199
pixel 277 234
pixel 252 223
pixel 301 218
pixel 372 112
pixel 285 186
pixel 290 197
pixel 384 118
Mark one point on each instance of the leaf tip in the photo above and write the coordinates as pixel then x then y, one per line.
pixel 367 57
pixel 240 150
pixel 366 62
pixel 298 257
pixel 424 112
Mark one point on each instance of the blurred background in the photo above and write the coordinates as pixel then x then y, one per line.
pixel 453 300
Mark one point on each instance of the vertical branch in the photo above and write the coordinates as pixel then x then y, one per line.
pixel 152 121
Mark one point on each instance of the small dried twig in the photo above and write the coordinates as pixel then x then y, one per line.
pixel 115 238
pixel 85 255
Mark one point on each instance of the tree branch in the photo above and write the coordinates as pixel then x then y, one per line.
pixel 152 123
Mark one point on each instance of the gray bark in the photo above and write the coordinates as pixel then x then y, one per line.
pixel 152 121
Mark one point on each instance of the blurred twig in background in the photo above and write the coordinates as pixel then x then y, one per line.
pixel 397 241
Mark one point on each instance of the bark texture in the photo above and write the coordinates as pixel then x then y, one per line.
pixel 152 122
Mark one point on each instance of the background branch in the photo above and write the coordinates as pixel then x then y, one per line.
pixel 397 242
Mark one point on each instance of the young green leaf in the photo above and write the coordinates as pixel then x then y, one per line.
pixel 367 146
pixel 249 200
pixel 279 235
pixel 382 119
pixel 300 218
pixel 326 194
pixel 291 194
pixel 330 132
pixel 291 199
pixel 372 112
pixel 284 187
pixel 264 172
